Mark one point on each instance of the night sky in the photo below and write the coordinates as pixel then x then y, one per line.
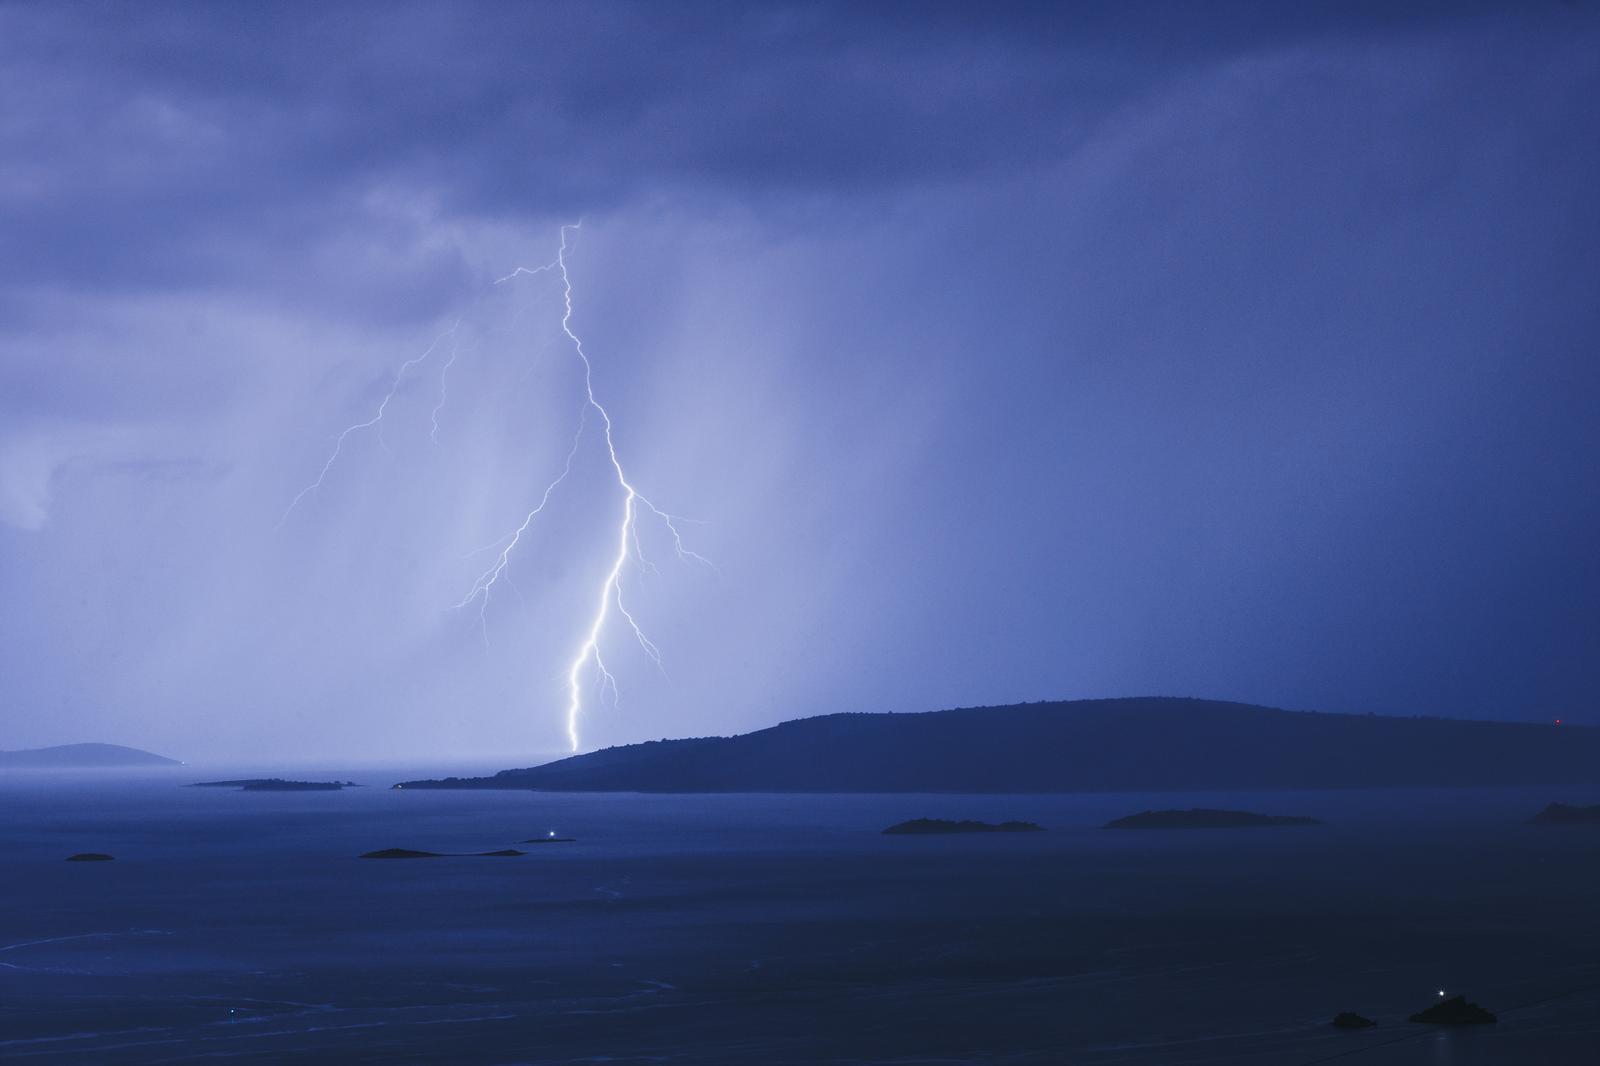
pixel 1245 351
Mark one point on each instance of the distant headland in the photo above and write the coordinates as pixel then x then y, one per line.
pixel 1154 744
pixel 81 757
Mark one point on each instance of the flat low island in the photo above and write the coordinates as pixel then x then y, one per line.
pixel 277 784
pixel 944 825
pixel 1205 818
pixel 409 853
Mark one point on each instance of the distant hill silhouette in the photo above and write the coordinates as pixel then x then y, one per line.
pixel 1120 745
pixel 82 756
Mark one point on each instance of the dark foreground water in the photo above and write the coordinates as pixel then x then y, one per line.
pixel 783 929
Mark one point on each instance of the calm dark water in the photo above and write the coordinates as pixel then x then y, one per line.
pixel 782 929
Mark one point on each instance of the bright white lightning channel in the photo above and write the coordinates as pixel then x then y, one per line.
pixel 627 533
pixel 627 530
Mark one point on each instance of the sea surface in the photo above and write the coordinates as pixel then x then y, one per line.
pixel 751 929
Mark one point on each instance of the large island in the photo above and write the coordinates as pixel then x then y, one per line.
pixel 1124 745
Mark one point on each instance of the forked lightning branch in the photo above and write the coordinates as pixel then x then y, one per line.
pixel 587 668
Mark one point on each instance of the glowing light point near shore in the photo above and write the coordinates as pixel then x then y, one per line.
pixel 552 832
pixel 1441 991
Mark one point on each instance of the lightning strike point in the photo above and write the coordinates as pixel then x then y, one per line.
pixel 627 540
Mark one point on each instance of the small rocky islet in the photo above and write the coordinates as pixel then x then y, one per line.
pixel 1567 814
pixel 1453 1011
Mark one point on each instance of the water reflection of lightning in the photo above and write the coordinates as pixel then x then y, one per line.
pixel 627 534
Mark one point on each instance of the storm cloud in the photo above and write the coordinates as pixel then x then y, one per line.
pixel 1235 350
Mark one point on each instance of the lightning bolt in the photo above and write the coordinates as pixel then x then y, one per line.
pixel 487 580
pixel 444 378
pixel 626 535
pixel 377 417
